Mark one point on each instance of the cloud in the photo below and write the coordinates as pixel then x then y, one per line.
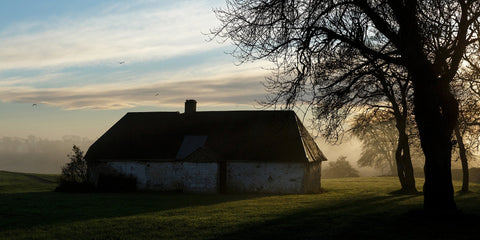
pixel 72 62
pixel 17 80
pixel 128 33
pixel 228 91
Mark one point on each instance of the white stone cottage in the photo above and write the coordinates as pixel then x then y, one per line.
pixel 210 152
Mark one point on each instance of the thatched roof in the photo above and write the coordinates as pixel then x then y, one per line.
pixel 268 136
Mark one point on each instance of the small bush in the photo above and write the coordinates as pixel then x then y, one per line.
pixel 74 174
pixel 76 169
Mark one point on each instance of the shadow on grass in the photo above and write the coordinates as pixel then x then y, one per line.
pixel 21 210
pixel 370 218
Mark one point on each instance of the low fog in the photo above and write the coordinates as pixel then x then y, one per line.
pixel 37 155
pixel 351 149
pixel 41 155
pixel 33 154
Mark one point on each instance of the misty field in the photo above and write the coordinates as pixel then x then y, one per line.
pixel 355 208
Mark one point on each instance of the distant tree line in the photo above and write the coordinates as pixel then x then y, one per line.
pixel 39 155
pixel 341 168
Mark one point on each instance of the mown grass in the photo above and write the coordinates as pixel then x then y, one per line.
pixel 11 182
pixel 356 208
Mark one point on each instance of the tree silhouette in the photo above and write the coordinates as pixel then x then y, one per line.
pixel 378 142
pixel 390 95
pixel 324 50
pixel 379 136
pixel 466 88
pixel 76 170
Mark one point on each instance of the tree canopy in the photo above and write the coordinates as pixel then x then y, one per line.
pixel 327 53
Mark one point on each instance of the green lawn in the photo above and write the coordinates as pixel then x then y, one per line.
pixel 11 182
pixel 356 208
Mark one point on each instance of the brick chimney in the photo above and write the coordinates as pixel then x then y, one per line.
pixel 190 106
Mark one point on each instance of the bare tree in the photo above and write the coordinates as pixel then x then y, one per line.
pixel 379 140
pixel 396 87
pixel 324 50
pixel 467 91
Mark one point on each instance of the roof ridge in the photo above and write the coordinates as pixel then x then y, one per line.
pixel 215 111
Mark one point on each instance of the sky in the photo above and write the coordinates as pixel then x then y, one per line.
pixel 76 67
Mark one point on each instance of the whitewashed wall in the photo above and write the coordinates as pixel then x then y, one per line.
pixel 171 176
pixel 265 177
pixel 135 169
pixel 200 177
pixel 165 176
pixel 203 176
pixel 312 180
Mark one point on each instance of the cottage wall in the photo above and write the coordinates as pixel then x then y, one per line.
pixel 135 169
pixel 165 176
pixel 171 176
pixel 265 177
pixel 313 177
pixel 239 176
pixel 200 177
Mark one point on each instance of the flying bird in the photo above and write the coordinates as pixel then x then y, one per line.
pixel 122 62
pixel 34 105
pixel 157 94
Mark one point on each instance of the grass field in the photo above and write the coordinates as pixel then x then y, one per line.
pixel 356 208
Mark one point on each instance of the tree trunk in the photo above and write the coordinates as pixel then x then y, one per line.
pixel 435 108
pixel 404 161
pixel 392 162
pixel 400 166
pixel 463 159
pixel 436 112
